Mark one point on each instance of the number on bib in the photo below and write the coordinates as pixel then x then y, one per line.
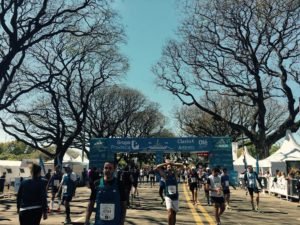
pixel 107 211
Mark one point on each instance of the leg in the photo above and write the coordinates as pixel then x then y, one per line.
pixel 89 211
pixel 217 213
pixel 257 199
pixel 171 217
pixel 68 211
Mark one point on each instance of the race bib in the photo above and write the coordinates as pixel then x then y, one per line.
pixel 172 189
pixel 251 182
pixel 64 189
pixel 151 175
pixel 56 183
pixel 193 179
pixel 227 183
pixel 107 211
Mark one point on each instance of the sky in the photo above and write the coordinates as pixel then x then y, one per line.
pixel 149 24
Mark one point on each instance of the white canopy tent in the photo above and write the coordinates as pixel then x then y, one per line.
pixel 288 151
pixel 75 160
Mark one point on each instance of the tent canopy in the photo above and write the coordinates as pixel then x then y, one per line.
pixel 249 159
pixel 289 149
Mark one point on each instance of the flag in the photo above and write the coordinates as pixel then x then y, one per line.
pixel 245 160
pixel 257 165
pixel 42 165
pixel 58 161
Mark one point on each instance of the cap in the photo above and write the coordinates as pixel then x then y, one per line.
pixel 67 166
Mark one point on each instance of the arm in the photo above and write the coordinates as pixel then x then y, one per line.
pixel 160 170
pixel 19 195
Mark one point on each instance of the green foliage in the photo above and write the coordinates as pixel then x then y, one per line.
pixel 16 150
pixel 252 150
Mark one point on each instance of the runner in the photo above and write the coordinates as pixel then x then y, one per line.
pixel 204 179
pixel 225 186
pixel 111 202
pixel 253 184
pixel 126 178
pixel 216 192
pixel 68 186
pixel 171 189
pixel 135 175
pixel 54 185
pixel 93 176
pixel 162 186
pixel 152 176
pixel 32 198
pixel 193 183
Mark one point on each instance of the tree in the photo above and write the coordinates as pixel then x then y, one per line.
pixel 24 24
pixel 77 67
pixel 244 50
pixel 117 111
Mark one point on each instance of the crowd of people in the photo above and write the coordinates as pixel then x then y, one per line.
pixel 113 190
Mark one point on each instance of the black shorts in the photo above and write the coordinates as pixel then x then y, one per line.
pixel 226 192
pixel 253 190
pixel 193 186
pixel 67 198
pixel 218 201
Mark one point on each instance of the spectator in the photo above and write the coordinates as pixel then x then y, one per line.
pixel 2 182
pixel 32 198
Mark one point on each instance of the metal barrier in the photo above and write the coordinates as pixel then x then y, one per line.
pixel 292 188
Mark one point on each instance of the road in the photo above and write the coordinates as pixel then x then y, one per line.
pixel 147 210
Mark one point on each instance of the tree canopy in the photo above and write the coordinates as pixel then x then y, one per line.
pixel 243 50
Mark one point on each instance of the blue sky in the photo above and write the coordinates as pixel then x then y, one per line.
pixel 149 24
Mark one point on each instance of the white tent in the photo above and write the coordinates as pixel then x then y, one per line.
pixel 239 164
pixel 289 150
pixel 75 160
pixel 13 169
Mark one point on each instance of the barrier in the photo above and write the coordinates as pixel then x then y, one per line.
pixel 283 187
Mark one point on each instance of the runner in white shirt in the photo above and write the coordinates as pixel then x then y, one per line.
pixel 216 192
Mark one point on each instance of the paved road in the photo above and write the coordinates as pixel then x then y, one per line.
pixel 148 210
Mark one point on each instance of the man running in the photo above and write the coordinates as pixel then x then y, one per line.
pixel 152 176
pixel 68 187
pixel 111 200
pixel 225 186
pixel 162 187
pixel 94 176
pixel 54 185
pixel 193 183
pixel 253 184
pixel 216 193
pixel 171 189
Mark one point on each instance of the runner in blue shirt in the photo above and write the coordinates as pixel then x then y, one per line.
pixel 254 186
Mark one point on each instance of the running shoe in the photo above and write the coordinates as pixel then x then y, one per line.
pixel 67 221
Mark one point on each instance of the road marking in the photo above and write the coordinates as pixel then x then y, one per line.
pixel 195 214
pixel 209 219
pixel 77 220
pixel 276 210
